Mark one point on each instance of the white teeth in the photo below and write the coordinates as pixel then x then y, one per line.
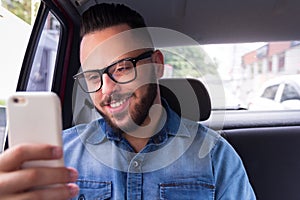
pixel 117 104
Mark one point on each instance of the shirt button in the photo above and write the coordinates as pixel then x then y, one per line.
pixel 81 197
pixel 136 163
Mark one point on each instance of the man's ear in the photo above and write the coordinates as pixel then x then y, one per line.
pixel 158 59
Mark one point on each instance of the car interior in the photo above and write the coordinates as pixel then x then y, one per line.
pixel 268 142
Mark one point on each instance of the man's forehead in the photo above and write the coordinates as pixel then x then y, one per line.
pixel 106 46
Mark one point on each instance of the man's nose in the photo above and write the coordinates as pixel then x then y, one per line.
pixel 108 85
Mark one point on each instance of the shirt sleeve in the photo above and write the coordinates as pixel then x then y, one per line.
pixel 230 175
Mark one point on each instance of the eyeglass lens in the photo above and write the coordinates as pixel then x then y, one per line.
pixel 120 72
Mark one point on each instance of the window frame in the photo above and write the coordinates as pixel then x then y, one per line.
pixel 43 12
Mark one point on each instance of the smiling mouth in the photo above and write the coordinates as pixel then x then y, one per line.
pixel 115 104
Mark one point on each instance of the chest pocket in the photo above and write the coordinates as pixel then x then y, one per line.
pixel 187 190
pixel 93 190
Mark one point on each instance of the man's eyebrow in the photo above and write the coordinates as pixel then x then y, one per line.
pixel 121 59
pixel 117 61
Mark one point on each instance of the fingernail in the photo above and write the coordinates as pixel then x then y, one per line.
pixel 73 189
pixel 57 152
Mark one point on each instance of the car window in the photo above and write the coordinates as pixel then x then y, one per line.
pixel 263 67
pixel 239 71
pixel 43 66
pixel 270 92
pixel 14 37
pixel 19 19
pixel 289 93
pixel 16 23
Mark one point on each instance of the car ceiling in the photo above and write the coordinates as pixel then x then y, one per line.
pixel 217 21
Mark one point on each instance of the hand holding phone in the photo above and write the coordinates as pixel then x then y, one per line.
pixel 47 182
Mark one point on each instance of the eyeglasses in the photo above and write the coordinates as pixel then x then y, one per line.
pixel 122 71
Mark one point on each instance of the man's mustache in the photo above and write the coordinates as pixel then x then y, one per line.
pixel 115 97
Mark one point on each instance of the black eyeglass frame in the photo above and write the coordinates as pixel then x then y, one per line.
pixel 105 70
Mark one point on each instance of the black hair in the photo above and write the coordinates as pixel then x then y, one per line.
pixel 104 15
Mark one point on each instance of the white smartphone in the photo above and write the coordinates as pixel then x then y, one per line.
pixel 35 117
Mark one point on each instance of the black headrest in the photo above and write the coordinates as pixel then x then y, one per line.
pixel 187 97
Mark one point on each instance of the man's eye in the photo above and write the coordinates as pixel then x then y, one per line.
pixel 123 68
pixel 93 77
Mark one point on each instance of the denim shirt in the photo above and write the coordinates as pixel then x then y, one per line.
pixel 185 160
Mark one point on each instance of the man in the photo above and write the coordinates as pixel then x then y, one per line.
pixel 140 149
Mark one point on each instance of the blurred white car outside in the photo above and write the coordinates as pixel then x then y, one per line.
pixel 279 93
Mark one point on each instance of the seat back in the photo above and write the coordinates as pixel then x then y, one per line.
pixel 270 156
pixel 188 97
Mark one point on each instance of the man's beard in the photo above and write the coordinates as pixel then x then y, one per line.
pixel 138 113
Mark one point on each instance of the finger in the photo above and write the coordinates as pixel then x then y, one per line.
pixel 14 157
pixel 26 179
pixel 62 192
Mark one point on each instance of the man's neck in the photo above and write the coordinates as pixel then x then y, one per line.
pixel 139 138
pixel 136 143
